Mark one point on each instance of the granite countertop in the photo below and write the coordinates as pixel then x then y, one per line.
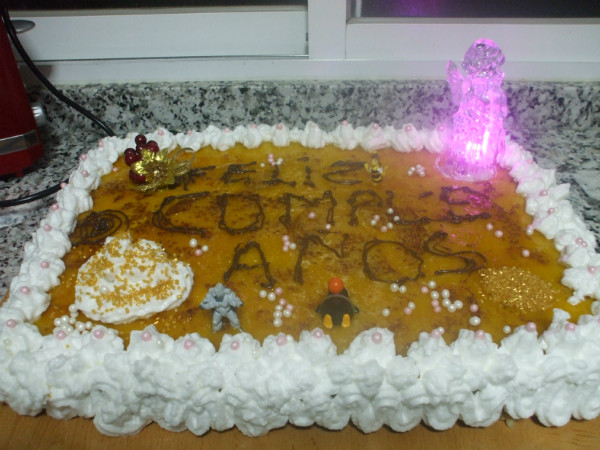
pixel 559 123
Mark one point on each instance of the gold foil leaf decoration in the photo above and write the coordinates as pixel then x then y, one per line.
pixel 516 289
pixel 161 170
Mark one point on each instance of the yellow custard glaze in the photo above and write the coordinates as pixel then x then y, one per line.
pixel 439 226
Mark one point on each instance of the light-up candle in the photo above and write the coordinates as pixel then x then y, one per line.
pixel 478 131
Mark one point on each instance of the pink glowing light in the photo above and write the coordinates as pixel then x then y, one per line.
pixel 478 131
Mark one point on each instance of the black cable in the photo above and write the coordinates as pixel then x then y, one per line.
pixel 12 33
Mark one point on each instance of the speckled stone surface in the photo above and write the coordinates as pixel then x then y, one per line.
pixel 558 123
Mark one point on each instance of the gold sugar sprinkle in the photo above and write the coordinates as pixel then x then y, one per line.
pixel 516 288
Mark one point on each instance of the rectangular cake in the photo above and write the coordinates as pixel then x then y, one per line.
pixel 261 275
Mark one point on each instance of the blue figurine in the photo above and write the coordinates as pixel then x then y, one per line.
pixel 223 303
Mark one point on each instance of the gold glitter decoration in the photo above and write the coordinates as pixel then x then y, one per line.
pixel 516 288
pixel 159 169
pixel 374 168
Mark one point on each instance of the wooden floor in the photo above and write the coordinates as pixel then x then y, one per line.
pixel 43 432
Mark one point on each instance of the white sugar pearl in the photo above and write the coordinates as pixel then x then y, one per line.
pixel 104 290
pixel 506 329
pixel 474 321
pixel 489 227
pixel 193 243
pixel 435 295
pixel 277 322
pixel 394 287
pixel 373 222
pixel 205 248
pixel 79 326
pixel 431 284
pixel 272 296
pixel 278 307
pixel 72 320
pixel 498 233
pixel 277 314
pixel 446 302
pixel 458 304
pixel 57 322
pixel 385 312
pixel 88 325
pixel 451 308
pixel 445 293
pixel 390 211
pixel 411 305
pixel 529 230
pixel 73 309
pixel 287 313
pixel 402 289
pixel 292 246
pixel 525 253
pixel 262 293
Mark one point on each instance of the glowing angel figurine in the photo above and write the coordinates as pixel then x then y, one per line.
pixel 478 130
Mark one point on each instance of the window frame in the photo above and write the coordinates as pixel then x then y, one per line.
pixel 320 42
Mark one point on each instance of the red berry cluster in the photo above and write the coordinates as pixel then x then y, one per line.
pixel 133 155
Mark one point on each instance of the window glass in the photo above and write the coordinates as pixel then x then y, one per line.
pixel 478 8
pixel 114 4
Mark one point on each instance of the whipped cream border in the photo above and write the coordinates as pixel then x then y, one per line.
pixel 185 383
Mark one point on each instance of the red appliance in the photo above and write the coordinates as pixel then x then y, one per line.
pixel 20 144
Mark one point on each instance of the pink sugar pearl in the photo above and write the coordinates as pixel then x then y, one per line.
pixel 281 339
pixel 319 333
pixel 592 269
pixel 55 207
pixel 234 345
pixel 98 333
pixel 473 308
pixel 44 264
pixel 47 227
pixel 60 335
pixel 25 290
pixel 480 334
pixel 408 311
pixel 146 336
pixel 531 327
pixel 377 337
pixel 278 291
pixel 11 323
pixel 188 344
pixel 436 334
pixel 570 326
